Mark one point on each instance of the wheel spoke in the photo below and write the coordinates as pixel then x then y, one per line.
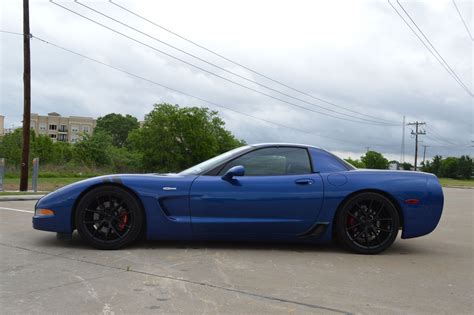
pixel 380 210
pixel 359 233
pixel 92 221
pixel 384 230
pixel 94 210
pixel 98 228
pixel 377 237
pixel 115 231
pixel 371 203
pixel 99 204
pixel 353 226
pixel 119 205
pixel 359 207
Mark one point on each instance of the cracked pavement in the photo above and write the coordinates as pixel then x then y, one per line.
pixel 431 274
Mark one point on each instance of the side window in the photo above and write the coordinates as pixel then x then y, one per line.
pixel 273 161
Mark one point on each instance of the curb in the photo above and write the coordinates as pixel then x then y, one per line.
pixel 20 197
pixel 459 187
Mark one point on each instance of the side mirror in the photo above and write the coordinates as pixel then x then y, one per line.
pixel 237 170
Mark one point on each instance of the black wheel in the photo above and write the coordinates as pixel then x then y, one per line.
pixel 109 217
pixel 367 223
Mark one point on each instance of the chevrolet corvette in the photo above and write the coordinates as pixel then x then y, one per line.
pixel 263 192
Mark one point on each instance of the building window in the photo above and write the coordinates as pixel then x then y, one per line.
pixel 53 136
pixel 32 125
pixel 63 128
pixel 74 138
pixel 75 128
pixel 42 126
pixel 85 129
pixel 62 137
pixel 53 127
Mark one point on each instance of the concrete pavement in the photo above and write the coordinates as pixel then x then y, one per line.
pixel 431 274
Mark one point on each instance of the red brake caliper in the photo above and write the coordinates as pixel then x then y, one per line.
pixel 123 221
pixel 350 221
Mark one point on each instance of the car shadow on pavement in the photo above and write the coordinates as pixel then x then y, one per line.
pixel 400 247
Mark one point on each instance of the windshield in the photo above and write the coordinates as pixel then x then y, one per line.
pixel 213 162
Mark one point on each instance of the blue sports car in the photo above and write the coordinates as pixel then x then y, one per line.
pixel 263 192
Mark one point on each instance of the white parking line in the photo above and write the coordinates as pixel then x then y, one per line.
pixel 17 210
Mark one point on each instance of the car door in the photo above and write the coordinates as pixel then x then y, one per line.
pixel 279 194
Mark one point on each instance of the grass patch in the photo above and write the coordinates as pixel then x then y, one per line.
pixel 457 182
pixel 20 193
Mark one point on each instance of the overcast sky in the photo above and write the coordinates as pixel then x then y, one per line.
pixel 356 54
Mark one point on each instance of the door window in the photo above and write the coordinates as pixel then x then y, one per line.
pixel 273 161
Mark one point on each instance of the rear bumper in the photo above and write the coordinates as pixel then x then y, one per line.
pixel 423 219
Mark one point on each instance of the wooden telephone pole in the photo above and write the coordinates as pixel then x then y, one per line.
pixel 415 133
pixel 26 97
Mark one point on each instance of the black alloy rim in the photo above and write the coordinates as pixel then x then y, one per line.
pixel 108 218
pixel 369 223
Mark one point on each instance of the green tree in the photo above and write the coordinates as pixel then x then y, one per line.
pixel 374 160
pixel 42 147
pixel 406 166
pixel 62 152
pixel 122 160
pixel 93 150
pixel 465 167
pixel 435 165
pixel 174 138
pixel 118 126
pixel 449 167
pixel 10 147
pixel 355 163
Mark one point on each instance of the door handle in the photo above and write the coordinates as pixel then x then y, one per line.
pixel 304 181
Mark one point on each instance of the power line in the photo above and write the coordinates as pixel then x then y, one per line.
pixel 462 20
pixel 432 46
pixel 212 73
pixel 226 70
pixel 175 90
pixel 437 56
pixel 245 67
pixel 437 136
pixel 9 32
pixel 217 66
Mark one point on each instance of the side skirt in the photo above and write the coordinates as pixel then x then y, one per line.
pixel 315 231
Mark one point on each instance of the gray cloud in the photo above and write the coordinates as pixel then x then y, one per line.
pixel 358 54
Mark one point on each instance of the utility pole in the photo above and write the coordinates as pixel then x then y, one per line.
pixel 415 133
pixel 26 97
pixel 402 153
pixel 424 153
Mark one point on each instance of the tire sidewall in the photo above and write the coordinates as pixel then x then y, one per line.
pixel 129 199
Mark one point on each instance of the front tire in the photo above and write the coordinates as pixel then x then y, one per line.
pixel 367 223
pixel 109 217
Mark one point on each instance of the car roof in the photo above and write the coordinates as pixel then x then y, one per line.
pixel 283 144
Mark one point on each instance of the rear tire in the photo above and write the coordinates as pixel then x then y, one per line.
pixel 109 217
pixel 367 223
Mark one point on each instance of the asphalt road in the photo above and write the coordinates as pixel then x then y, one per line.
pixel 431 274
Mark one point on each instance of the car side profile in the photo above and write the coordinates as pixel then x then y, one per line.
pixel 264 192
